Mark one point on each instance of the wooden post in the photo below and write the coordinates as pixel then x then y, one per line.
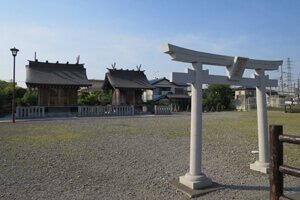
pixel 276 160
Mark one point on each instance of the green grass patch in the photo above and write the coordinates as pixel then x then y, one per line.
pixel 63 136
pixel 226 128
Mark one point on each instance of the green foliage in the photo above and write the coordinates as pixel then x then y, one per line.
pixel 29 98
pixel 2 102
pixel 87 99
pixel 82 98
pixel 5 97
pixel 217 95
pixel 95 98
pixel 6 93
pixel 105 97
pixel 3 84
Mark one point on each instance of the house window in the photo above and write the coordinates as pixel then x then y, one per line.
pixel 179 91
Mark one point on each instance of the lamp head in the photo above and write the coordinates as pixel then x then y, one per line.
pixel 14 51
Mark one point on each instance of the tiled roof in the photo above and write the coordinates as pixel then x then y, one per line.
pixel 44 73
pixel 126 79
pixel 154 81
pixel 157 80
pixel 172 96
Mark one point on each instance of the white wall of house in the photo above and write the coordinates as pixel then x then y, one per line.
pixel 243 102
pixel 161 88
pixel 147 95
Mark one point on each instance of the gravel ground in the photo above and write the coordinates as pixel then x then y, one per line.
pixel 126 158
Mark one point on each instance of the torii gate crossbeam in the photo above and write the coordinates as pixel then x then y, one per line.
pixel 235 67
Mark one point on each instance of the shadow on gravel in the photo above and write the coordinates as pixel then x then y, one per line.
pixel 258 188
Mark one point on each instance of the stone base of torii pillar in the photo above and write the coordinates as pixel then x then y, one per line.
pixel 195 182
pixel 260 167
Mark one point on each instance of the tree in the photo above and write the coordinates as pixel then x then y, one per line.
pixel 3 84
pixel 83 98
pixel 29 98
pixel 217 95
pixel 95 98
pixel 6 91
pixel 19 92
pixel 104 97
pixel 3 108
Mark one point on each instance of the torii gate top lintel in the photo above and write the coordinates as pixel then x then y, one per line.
pixel 191 56
pixel 235 67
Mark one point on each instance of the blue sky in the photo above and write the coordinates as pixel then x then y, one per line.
pixel 131 32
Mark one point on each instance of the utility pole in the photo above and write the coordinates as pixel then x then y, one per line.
pixel 281 78
pixel 289 76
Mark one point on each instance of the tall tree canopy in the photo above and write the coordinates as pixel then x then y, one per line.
pixel 218 95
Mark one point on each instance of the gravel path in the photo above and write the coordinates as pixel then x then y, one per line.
pixel 124 158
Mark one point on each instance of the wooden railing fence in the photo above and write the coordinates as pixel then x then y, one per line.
pixel 277 168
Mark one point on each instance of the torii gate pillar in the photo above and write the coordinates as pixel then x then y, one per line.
pixel 235 67
pixel 262 164
pixel 195 179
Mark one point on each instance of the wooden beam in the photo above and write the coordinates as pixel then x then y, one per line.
pixel 290 139
pixel 293 171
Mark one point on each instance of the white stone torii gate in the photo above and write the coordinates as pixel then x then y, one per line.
pixel 235 67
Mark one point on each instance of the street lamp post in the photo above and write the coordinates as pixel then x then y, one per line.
pixel 14 52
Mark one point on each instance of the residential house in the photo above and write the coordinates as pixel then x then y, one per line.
pixel 245 98
pixel 168 93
